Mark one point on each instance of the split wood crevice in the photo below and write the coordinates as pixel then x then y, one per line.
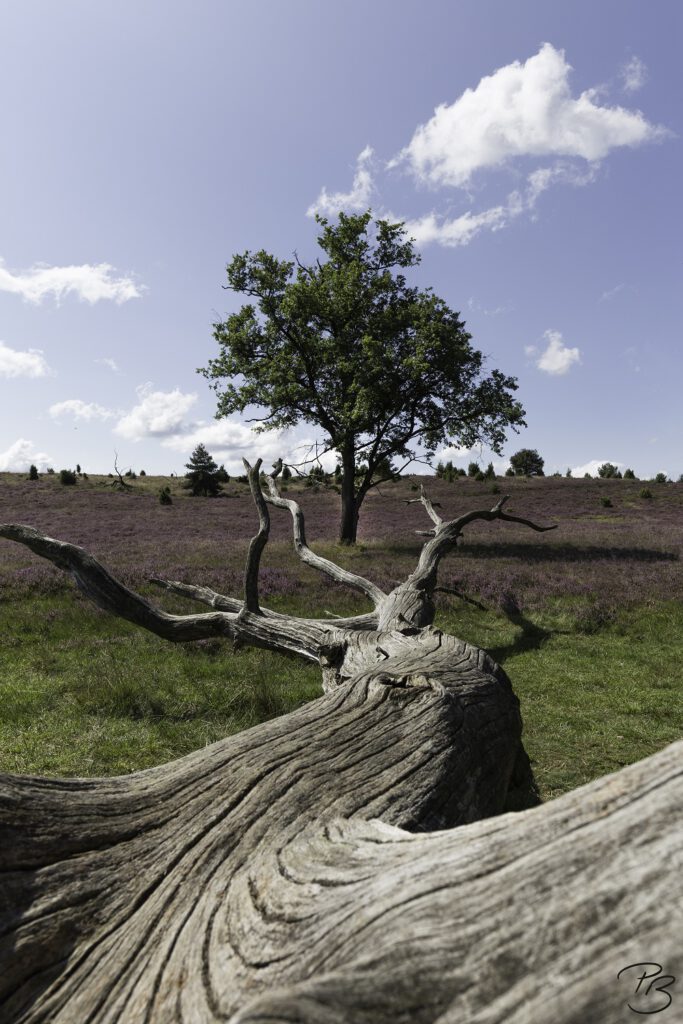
pixel 310 869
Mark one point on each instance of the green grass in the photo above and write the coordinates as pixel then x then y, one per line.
pixel 82 693
pixel 594 696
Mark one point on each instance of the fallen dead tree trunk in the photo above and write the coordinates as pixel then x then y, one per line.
pixel 309 869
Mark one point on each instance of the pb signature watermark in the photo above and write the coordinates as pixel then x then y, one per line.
pixel 649 987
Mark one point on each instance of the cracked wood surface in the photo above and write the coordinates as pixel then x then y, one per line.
pixel 349 863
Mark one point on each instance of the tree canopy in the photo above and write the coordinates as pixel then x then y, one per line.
pixel 527 462
pixel 347 344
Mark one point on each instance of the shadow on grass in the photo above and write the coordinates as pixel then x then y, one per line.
pixel 530 638
pixel 567 553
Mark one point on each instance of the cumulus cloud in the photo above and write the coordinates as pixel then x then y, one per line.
pixel 357 199
pixel 80 410
pixel 593 466
pixel 611 292
pixel 229 441
pixel 633 74
pixel 15 363
pixel 157 414
pixel 20 455
pixel 90 283
pixel 521 110
pixel 557 358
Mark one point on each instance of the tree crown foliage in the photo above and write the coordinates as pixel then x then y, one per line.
pixel 527 462
pixel 348 344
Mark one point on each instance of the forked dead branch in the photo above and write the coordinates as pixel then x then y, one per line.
pixel 310 869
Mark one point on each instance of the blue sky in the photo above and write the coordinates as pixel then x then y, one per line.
pixel 533 148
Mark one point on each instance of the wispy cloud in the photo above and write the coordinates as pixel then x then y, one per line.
pixel 611 292
pixel 357 199
pixel 80 410
pixel 157 414
pixel 110 363
pixel 556 359
pixel 633 74
pixel 15 363
pixel 90 283
pixel 20 455
pixel 521 110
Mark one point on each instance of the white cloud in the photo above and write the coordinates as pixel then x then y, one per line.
pixel 453 453
pixel 89 282
pixel 157 414
pixel 593 466
pixel 110 363
pixel 606 296
pixel 20 455
pixel 461 230
pixel 633 74
pixel 357 199
pixel 80 410
pixel 229 441
pixel 14 363
pixel 557 359
pixel 520 110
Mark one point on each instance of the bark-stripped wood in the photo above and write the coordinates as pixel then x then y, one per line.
pixel 310 869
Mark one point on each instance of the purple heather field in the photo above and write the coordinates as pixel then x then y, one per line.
pixel 618 556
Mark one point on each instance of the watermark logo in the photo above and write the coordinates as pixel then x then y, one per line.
pixel 649 987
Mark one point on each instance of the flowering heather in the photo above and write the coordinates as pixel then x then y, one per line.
pixel 617 556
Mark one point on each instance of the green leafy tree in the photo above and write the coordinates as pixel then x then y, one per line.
pixel 608 471
pixel 527 462
pixel 202 474
pixel 347 344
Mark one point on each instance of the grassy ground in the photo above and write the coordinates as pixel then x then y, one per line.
pixel 587 622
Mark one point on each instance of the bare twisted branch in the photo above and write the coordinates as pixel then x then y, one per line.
pixel 324 565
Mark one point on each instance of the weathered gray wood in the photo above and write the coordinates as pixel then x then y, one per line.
pixel 347 863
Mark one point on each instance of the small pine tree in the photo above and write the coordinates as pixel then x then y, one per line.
pixel 473 469
pixel 490 472
pixel 568 473
pixel 78 468
pixel 33 472
pixel 67 477
pixel 287 473
pixel 142 473
pixel 202 474
pixel 629 474
pixel 165 496
pixel 661 478
pixel 608 471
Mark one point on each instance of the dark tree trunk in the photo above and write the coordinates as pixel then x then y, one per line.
pixel 253 882
pixel 348 528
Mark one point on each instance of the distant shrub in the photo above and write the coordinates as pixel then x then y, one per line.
pixel 222 474
pixel 414 487
pixel 131 474
pixel 510 471
pixel 33 472
pixel 244 479
pixel 494 489
pixel 165 496
pixel 527 462
pixel 473 469
pixel 587 476
pixel 608 471
pixel 645 492
pixel 287 473
pixel 50 470
pixel 490 472
pixel 568 473
pixel 661 478
pixel 480 476
pixel 142 473
pixel 629 474
pixel 67 477
pixel 78 468
pixel 606 502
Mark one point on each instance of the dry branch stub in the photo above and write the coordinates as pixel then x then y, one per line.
pixel 350 862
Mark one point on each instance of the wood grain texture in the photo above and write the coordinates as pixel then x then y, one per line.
pixel 355 862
